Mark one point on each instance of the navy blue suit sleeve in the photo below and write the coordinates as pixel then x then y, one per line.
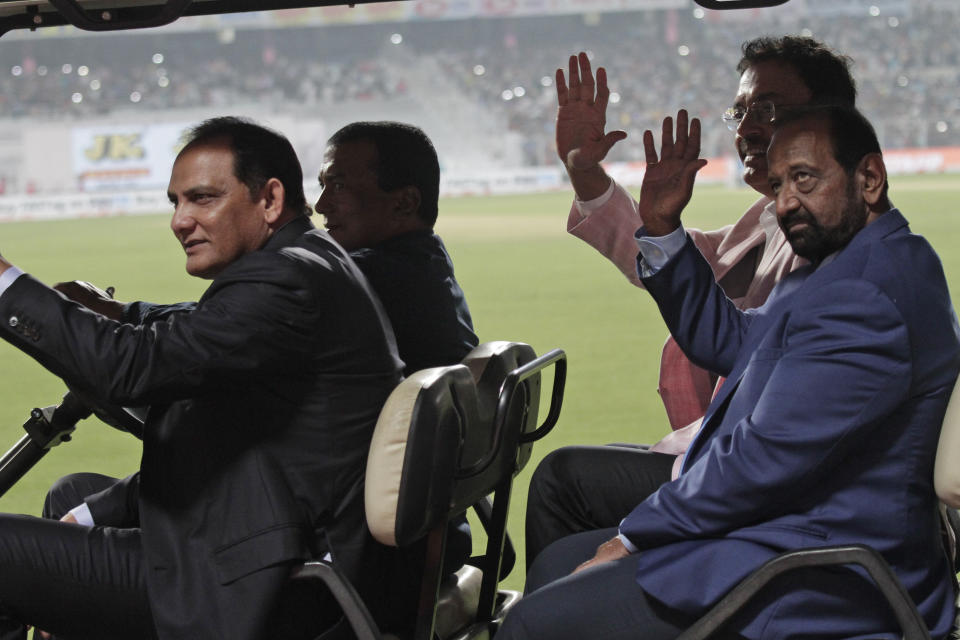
pixel 704 322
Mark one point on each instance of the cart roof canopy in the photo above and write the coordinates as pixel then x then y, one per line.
pixel 114 15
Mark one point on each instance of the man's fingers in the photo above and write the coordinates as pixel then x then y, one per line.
pixel 686 146
pixel 584 565
pixel 80 290
pixel 611 139
pixel 586 78
pixel 574 72
pixel 691 170
pixel 649 148
pixel 693 144
pixel 680 147
pixel 562 93
pixel 666 138
pixel 589 156
pixel 603 92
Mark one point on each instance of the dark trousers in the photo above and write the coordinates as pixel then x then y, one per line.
pixel 73 581
pixel 577 489
pixel 305 611
pixel 70 580
pixel 604 602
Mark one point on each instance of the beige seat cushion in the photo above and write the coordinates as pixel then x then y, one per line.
pixel 387 450
pixel 946 470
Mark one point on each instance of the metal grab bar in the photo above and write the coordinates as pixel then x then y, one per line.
pixel 911 623
pixel 508 390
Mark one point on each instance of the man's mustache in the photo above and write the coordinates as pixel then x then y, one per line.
pixel 800 216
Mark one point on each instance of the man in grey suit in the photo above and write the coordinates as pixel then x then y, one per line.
pixel 262 402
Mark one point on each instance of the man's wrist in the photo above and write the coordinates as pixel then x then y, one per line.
pixel 81 514
pixel 625 541
pixel 8 275
pixel 656 251
pixel 589 184
pixel 660 228
pixel 586 207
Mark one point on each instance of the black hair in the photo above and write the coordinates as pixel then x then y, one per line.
pixel 851 134
pixel 825 73
pixel 405 157
pixel 259 154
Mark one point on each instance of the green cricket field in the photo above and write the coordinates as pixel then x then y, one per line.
pixel 525 279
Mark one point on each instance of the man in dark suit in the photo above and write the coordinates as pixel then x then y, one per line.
pixel 824 432
pixel 262 402
pixel 380 190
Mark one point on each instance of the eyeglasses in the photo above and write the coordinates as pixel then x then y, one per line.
pixel 763 110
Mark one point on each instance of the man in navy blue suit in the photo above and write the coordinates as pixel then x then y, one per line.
pixel 824 432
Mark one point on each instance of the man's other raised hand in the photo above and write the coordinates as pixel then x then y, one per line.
pixel 668 180
pixel 581 119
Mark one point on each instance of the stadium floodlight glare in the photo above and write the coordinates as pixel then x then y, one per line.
pixel 738 4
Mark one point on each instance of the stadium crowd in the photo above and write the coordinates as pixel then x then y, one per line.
pixel 906 66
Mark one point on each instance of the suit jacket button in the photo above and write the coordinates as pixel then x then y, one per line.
pixel 14 321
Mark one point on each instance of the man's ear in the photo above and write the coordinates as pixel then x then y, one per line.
pixel 873 177
pixel 273 197
pixel 408 201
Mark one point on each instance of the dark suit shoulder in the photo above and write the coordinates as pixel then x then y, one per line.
pixel 312 262
pixel 417 248
pixel 413 276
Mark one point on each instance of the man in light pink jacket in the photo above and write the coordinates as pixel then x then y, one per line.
pixel 583 488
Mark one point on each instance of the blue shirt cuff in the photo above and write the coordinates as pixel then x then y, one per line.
pixel 8 277
pixel 656 251
pixel 632 548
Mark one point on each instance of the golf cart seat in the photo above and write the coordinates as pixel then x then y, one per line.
pixel 448 438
